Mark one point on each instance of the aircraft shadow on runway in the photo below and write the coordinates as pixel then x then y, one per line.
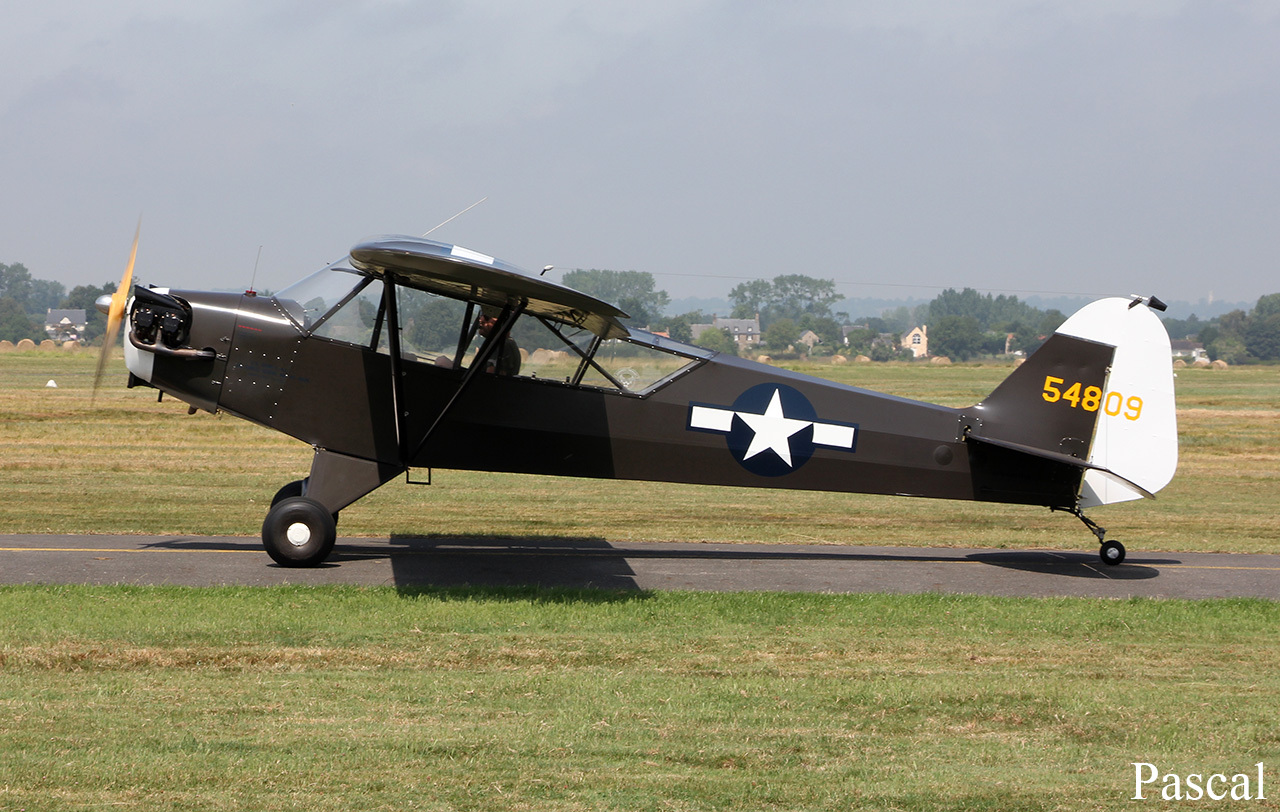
pixel 593 563
pixel 1072 565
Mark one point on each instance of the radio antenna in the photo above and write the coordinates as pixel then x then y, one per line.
pixel 254 278
pixel 459 214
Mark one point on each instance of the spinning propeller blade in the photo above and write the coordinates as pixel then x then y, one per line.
pixel 115 313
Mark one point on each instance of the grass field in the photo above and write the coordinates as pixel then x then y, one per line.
pixel 367 699
pixel 353 699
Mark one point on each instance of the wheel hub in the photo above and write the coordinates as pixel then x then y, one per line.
pixel 298 534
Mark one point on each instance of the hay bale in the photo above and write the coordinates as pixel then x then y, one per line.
pixel 1179 364
pixel 940 360
pixel 543 355
pixel 6 345
pixel 862 359
pixel 839 359
pixel 764 359
pixel 48 344
pixel 26 344
pixel 71 345
pixel 1219 364
pixel 1201 364
pixel 1019 362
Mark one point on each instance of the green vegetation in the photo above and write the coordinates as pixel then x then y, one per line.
pixel 24 302
pixel 1239 337
pixel 631 291
pixel 363 699
pixel 489 699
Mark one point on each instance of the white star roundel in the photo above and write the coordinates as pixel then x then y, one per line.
pixel 772 429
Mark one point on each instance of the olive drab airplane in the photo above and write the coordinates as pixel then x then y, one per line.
pixel 411 353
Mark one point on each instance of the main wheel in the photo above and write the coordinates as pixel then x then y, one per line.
pixel 299 532
pixel 1112 552
pixel 297 487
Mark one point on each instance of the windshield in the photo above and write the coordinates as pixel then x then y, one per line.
pixel 309 300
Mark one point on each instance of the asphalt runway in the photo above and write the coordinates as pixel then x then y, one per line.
pixel 596 563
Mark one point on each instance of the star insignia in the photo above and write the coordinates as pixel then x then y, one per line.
pixel 780 427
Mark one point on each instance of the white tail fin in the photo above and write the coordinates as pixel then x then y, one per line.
pixel 1137 430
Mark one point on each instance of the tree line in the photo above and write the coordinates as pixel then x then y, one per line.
pixel 1238 337
pixel 962 325
pixel 25 301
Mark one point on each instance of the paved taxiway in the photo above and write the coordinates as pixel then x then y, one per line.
pixel 584 562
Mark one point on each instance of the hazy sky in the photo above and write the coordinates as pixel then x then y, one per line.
pixel 1095 146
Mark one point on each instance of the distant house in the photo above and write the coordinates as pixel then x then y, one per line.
pixel 917 341
pixel 1192 350
pixel 809 338
pixel 65 325
pixel 744 332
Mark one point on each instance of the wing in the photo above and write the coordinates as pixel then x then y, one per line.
pixel 464 274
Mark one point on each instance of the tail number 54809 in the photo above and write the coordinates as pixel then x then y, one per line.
pixel 1091 398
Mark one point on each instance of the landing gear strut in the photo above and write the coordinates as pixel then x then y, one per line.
pixel 1111 551
pixel 302 525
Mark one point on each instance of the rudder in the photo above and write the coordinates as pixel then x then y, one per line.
pixel 1136 439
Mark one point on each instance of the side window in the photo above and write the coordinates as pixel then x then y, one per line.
pixel 430 326
pixel 636 367
pixel 567 354
pixel 356 321
pixel 549 354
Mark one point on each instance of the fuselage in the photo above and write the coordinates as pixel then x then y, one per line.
pixel 711 419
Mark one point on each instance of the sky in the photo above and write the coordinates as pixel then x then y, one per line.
pixel 900 148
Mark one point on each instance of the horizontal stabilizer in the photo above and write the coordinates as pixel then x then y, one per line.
pixel 1065 459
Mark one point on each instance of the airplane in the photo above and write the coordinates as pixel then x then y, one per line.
pixel 405 355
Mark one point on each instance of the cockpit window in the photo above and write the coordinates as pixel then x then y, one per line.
pixel 309 300
pixel 341 304
pixel 357 320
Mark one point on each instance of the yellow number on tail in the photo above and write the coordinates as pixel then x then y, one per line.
pixel 1091 398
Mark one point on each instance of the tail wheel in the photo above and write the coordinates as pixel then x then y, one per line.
pixel 1112 552
pixel 299 532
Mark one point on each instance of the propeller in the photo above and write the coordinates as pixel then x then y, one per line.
pixel 114 308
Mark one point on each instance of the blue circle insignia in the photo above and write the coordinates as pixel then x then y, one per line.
pixel 776 435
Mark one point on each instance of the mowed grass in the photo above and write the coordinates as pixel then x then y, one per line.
pixel 364 699
pixel 527 699
pixel 127 464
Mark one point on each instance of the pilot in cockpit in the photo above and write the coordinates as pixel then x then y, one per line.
pixel 506 359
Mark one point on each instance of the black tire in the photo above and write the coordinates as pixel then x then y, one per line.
pixel 295 488
pixel 1112 552
pixel 298 487
pixel 299 532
